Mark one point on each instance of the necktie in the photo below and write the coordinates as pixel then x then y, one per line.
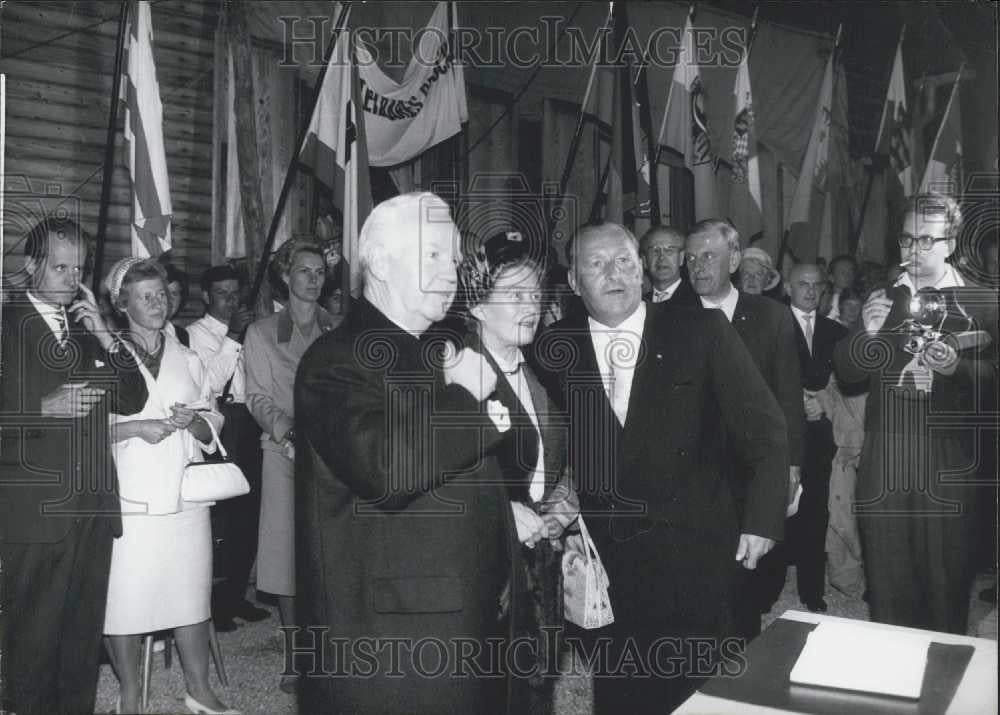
pixel 61 333
pixel 618 350
pixel 809 331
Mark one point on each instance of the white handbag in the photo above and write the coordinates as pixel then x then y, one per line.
pixel 585 585
pixel 213 481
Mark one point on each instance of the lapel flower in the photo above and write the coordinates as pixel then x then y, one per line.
pixel 499 414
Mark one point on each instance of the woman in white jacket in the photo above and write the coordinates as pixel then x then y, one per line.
pixel 161 566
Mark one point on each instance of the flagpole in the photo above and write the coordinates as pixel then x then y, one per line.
pixel 856 238
pixel 109 149
pixel 293 164
pixel 574 145
pixel 646 121
pixel 753 34
pixel 944 120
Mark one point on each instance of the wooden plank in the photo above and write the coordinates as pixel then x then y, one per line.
pixel 31 120
pixel 26 77
pixel 70 174
pixel 95 53
pixel 191 110
pixel 169 29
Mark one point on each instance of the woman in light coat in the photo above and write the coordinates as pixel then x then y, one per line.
pixel 161 567
pixel 272 350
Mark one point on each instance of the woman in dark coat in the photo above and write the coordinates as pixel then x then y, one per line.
pixel 502 302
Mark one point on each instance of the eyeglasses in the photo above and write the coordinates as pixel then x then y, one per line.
pixel 924 243
pixel 705 259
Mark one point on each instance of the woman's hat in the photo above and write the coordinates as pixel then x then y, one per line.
pixel 116 276
pixel 761 256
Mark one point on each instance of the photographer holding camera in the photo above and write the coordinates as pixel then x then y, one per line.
pixel 929 367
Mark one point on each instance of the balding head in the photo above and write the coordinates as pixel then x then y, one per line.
pixel 408 250
pixel 605 272
pixel 805 286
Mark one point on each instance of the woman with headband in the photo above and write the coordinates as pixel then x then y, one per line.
pixel 161 566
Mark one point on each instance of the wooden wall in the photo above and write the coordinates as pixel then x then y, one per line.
pixel 58 57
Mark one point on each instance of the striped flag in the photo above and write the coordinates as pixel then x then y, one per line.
pixel 745 199
pixel 685 126
pixel 944 166
pixel 895 133
pixel 147 159
pixel 336 149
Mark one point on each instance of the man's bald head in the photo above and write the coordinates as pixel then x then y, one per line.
pixel 805 286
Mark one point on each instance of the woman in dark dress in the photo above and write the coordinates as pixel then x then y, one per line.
pixel 502 290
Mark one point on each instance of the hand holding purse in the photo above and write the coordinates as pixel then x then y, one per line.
pixel 585 584
pixel 213 481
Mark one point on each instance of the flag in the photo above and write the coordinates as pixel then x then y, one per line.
pixel 622 195
pixel 944 167
pixel 336 149
pixel 805 217
pixel 147 159
pixel 685 127
pixel 895 130
pixel 745 206
pixel 426 107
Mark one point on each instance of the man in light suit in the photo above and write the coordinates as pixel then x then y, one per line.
pixel 657 394
pixel 403 537
pixel 662 251
pixel 63 374
pixel 713 255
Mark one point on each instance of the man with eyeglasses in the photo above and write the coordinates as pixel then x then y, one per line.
pixel 916 493
pixel 662 252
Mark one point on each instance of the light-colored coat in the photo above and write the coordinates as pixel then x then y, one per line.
pixel 149 475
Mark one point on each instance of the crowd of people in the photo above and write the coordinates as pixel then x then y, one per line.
pixel 678 419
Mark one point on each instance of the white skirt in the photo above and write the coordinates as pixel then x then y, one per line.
pixel 161 573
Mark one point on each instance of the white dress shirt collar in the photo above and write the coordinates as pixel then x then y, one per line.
pixel 667 293
pixel 727 305
pixel 49 313
pixel 950 279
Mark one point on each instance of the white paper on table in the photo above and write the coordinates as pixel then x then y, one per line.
pixel 861 658
pixel 793 508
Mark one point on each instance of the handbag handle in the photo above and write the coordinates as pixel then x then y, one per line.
pixel 588 545
pixel 215 437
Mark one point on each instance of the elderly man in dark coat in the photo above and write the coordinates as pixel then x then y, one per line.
pixel 404 538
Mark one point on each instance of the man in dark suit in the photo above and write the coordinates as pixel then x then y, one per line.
pixel 768 332
pixel 816 337
pixel 662 252
pixel 63 373
pixel 918 489
pixel 657 394
pixel 404 541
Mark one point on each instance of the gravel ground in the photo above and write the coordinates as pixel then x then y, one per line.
pixel 253 659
